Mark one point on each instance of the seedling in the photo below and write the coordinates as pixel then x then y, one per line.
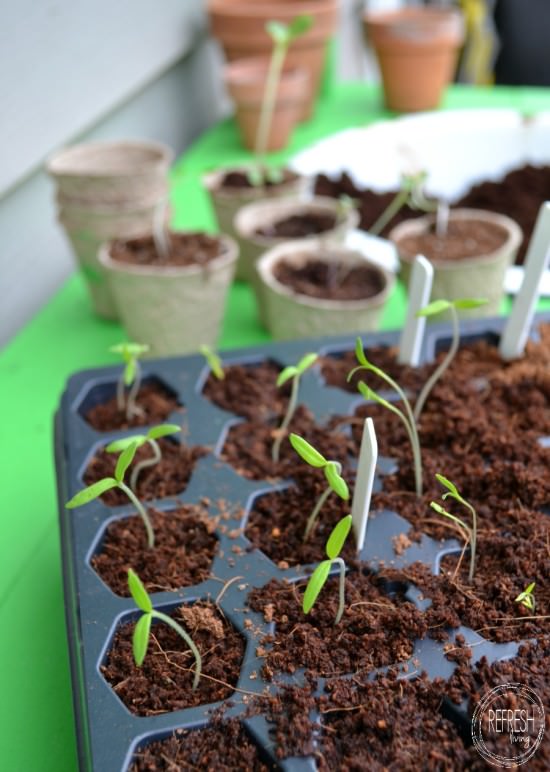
pixel 154 434
pixel 282 36
pixel 411 193
pixel 332 470
pixel 319 577
pixel 102 486
pixel 214 362
pixel 527 598
pixel 142 630
pixel 130 376
pixel 433 309
pixel 470 533
pixel 406 417
pixel 295 372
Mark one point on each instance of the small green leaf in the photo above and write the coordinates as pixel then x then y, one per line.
pixel 315 585
pixel 529 589
pixel 338 537
pixel 286 374
pixel 360 353
pixel 140 638
pixel 438 508
pixel 368 393
pixel 307 451
pixel 124 461
pixel 299 26
pixel 306 362
pixel 162 430
pixel 451 487
pixel 138 592
pixel 278 32
pixel 255 176
pixel 214 362
pixel 434 308
pixel 336 481
pixel 470 302
pixel 117 446
pixel 130 372
pixel 275 175
pixel 91 492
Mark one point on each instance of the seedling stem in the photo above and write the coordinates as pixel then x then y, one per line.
pixel 294 372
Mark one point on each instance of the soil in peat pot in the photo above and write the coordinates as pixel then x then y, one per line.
pixel 463 239
pixel 519 195
pixel 298 226
pixel 185 249
pixel 241 181
pixel 330 281
pixel 164 681
pixel 166 478
pixel 155 403
pixel 185 545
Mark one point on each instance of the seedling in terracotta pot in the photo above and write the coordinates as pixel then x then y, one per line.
pixel 332 470
pixel 406 417
pixel 527 598
pixel 319 577
pixel 470 533
pixel 142 630
pixel 214 362
pixel 130 376
pixel 282 35
pixel 433 309
pixel 102 486
pixel 154 434
pixel 293 372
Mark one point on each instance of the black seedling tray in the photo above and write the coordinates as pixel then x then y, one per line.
pixel 108 734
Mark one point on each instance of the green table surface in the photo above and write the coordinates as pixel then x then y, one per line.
pixel 37 723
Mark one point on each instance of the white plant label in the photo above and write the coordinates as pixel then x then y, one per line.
pixel 516 330
pixel 420 288
pixel 366 465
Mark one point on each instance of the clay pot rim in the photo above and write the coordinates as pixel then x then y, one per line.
pixel 415 27
pixel 228 255
pixel 212 179
pixel 291 205
pixel 317 249
pixel 61 163
pixel 419 224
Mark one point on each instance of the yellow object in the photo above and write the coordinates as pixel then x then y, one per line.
pixel 480 48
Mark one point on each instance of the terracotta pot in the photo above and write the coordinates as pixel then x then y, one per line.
pixel 417 50
pixel 245 80
pixel 478 276
pixel 228 200
pixel 289 314
pixel 262 214
pixel 173 309
pixel 239 25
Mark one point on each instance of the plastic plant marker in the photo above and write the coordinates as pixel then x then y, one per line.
pixel 420 288
pixel 516 330
pixel 368 456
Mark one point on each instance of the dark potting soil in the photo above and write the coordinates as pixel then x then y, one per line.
pixel 185 249
pixel 388 724
pixel 297 226
pixel 377 628
pixel 250 391
pixel 519 195
pixel 222 746
pixel 185 545
pixel 164 681
pixel 330 281
pixel 240 180
pixel 154 400
pixel 167 478
pixel 464 238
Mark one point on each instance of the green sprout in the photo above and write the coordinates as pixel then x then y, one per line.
pixel 469 532
pixel 282 36
pixel 527 598
pixel 433 309
pixel 102 486
pixel 142 630
pixel 332 470
pixel 411 193
pixel 319 577
pixel 214 362
pixel 406 417
pixel 295 372
pixel 130 376
pixel 155 433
